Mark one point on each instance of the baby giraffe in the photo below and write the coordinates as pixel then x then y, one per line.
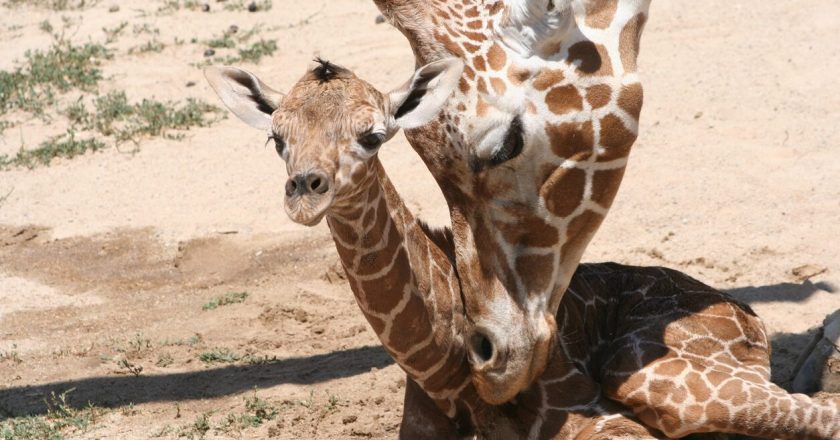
pixel 328 128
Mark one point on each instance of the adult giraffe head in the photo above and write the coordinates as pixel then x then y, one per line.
pixel 529 154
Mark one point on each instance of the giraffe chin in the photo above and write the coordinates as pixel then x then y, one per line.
pixel 306 215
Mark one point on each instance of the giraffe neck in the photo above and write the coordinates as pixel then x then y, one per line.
pixel 405 285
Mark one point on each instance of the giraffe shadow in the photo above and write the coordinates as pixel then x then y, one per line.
pixel 114 391
pixel 781 292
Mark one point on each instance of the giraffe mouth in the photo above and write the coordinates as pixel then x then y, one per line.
pixel 308 211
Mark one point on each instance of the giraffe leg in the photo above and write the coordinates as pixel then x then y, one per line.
pixel 697 361
pixel 422 419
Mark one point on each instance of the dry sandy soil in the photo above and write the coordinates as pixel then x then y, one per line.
pixel 107 259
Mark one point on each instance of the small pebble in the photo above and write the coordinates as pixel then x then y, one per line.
pixel 114 8
pixel 349 419
pixel 233 29
pixel 252 7
pixel 190 83
pixel 209 52
pixel 205 7
pixel 380 19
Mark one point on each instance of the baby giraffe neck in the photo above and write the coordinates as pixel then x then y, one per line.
pixel 405 285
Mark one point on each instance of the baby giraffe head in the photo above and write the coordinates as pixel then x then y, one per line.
pixel 330 125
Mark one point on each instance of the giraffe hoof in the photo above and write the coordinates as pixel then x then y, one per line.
pixel 818 368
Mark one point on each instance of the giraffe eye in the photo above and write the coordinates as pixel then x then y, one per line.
pixel 512 144
pixel 371 141
pixel 279 144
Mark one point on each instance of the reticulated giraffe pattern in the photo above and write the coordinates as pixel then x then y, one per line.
pixel 529 155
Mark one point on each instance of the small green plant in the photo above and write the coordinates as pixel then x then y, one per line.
pixel 130 367
pixel 46 26
pixel 44 74
pixel 150 46
pixel 255 52
pixel 112 34
pixel 65 146
pixel 165 360
pixel 201 425
pixel 55 5
pixel 257 412
pixel 11 355
pixel 241 5
pixel 226 299
pixel 219 355
pixel 29 428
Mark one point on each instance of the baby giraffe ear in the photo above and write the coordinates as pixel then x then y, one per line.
pixel 420 99
pixel 244 94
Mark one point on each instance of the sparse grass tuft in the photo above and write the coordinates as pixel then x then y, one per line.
pixel 219 355
pixel 150 46
pixel 255 52
pixel 64 146
pixel 62 67
pixel 61 417
pixel 112 34
pixel 55 5
pixel 226 299
pixel 241 5
pixel 257 412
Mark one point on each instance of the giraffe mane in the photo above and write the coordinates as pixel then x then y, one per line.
pixel 327 71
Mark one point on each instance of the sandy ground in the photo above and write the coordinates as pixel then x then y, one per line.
pixel 109 257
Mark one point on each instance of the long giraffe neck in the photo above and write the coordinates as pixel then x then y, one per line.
pixel 405 285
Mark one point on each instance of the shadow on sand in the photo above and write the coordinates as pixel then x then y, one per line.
pixel 115 391
pixel 786 292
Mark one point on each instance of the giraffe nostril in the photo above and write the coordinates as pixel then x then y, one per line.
pixel 291 187
pixel 482 348
pixel 319 184
pixel 315 184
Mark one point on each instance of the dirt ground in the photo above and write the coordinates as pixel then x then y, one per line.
pixel 108 260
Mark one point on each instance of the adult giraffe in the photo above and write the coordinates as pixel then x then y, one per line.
pixel 529 154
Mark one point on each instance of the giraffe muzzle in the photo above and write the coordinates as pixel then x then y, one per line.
pixel 308 197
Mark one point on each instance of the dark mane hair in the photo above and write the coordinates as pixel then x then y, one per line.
pixel 326 71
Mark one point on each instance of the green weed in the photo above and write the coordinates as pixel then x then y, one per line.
pixel 44 74
pixel 55 5
pixel 226 299
pixel 219 355
pixel 62 146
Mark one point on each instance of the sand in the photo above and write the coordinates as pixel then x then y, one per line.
pixel 735 179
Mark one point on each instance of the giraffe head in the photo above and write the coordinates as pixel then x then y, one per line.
pixel 529 153
pixel 331 124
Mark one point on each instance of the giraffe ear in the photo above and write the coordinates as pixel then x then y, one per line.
pixel 420 99
pixel 244 94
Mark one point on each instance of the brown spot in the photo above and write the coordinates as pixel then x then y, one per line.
pixel 598 95
pixel 471 48
pixel 518 75
pixel 564 99
pixel 471 12
pixel 463 85
pixel 629 40
pixel 452 47
pixel 578 234
pixel 531 231
pixel 698 387
pixel 730 390
pixel 475 24
pixel 605 185
pixel 498 86
pixel 461 107
pixel 615 138
pixel 590 58
pixel 571 138
pixel 482 85
pixel 547 78
pixel 563 191
pixel 479 64
pixel 481 107
pixel 717 414
pixel 469 72
pixel 413 324
pixel 530 107
pixel 535 272
pixel 671 368
pixel 630 99
pixel 496 56
pixel 385 292
pixel 600 14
